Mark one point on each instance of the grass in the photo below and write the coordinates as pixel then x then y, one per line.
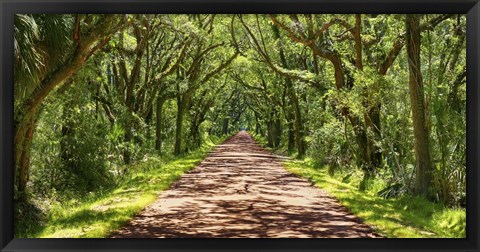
pixel 402 217
pixel 100 215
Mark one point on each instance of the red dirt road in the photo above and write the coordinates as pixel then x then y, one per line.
pixel 241 190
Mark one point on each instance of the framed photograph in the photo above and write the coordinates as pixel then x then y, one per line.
pixel 239 125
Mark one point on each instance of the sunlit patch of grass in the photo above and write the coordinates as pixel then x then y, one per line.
pixel 99 215
pixel 451 219
pixel 404 217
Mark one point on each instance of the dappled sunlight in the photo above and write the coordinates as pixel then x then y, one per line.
pixel 406 217
pixel 241 190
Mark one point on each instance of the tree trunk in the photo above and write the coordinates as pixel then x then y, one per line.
pixel 178 133
pixel 364 160
pixel 421 135
pixel 225 126
pixel 298 124
pixel 374 126
pixel 270 134
pixel 158 125
pixel 127 158
pixel 67 131
pixel 24 158
pixel 196 135
pixel 373 155
pixel 258 127
pixel 129 103
pixel 278 131
pixel 291 135
pixel 274 129
pixel 299 134
pixel 289 117
pixel 358 41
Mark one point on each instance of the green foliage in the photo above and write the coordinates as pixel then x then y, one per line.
pixel 293 80
pixel 41 43
pixel 71 148
pixel 328 146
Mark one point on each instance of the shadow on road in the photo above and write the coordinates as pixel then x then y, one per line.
pixel 241 190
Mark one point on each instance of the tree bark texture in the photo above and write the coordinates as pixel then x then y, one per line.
pixel 423 174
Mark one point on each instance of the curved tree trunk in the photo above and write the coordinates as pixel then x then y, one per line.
pixel 24 158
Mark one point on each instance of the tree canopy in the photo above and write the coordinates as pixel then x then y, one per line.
pixel 384 95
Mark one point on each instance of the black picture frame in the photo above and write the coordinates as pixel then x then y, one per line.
pixel 9 8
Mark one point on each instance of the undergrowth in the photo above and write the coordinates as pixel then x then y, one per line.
pixel 100 213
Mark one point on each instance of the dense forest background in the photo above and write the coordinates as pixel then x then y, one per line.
pixel 377 97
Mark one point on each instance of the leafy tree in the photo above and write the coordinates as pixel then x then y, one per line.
pixel 49 56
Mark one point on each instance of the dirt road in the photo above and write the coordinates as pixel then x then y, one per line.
pixel 241 190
